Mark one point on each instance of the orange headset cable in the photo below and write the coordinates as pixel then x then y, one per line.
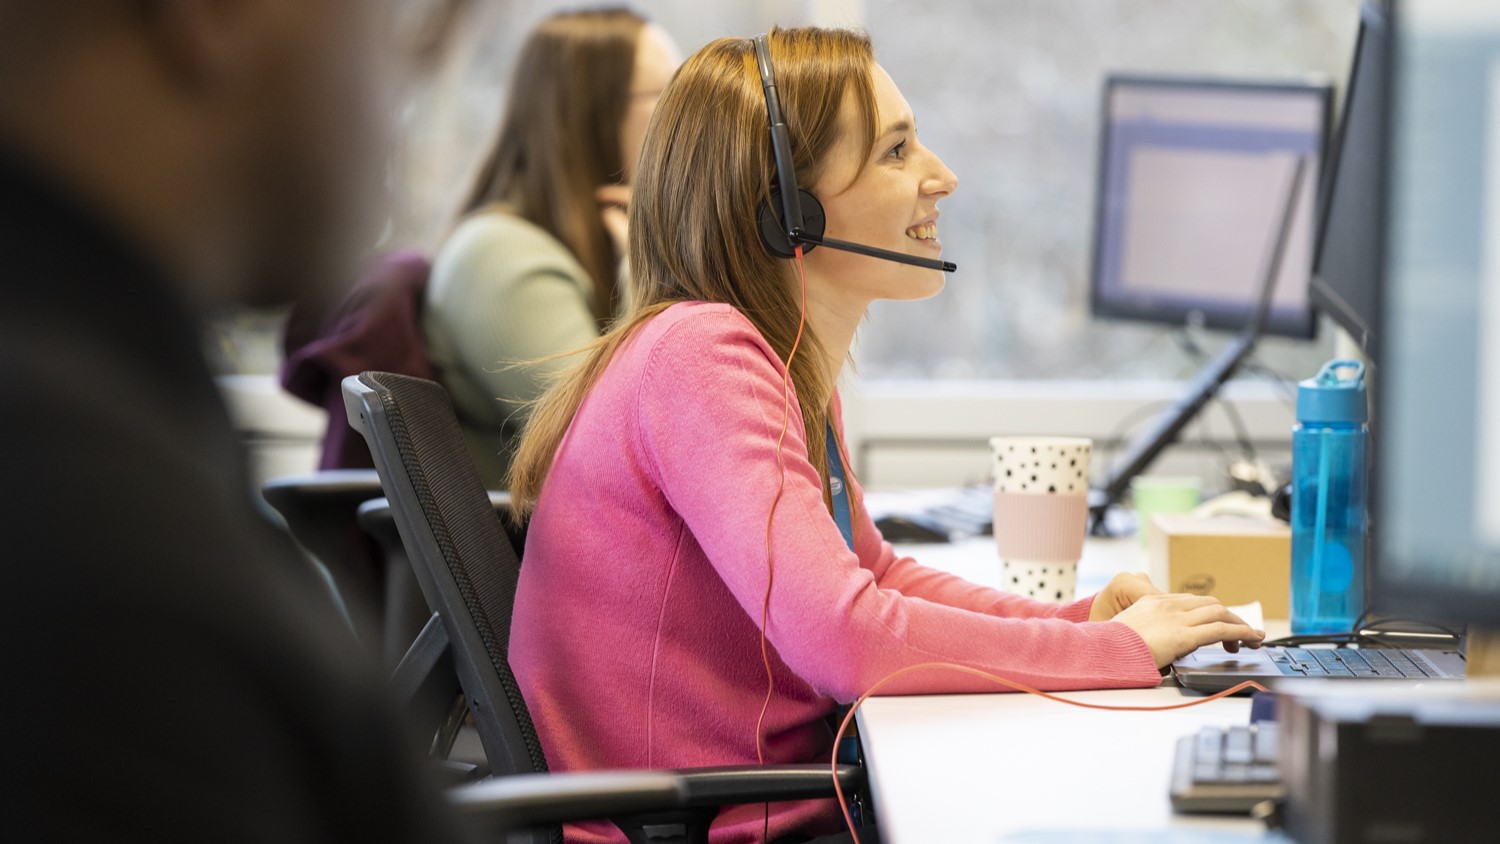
pixel 786 415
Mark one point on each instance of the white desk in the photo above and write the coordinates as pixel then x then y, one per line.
pixel 987 768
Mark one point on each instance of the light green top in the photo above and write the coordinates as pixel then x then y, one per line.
pixel 503 291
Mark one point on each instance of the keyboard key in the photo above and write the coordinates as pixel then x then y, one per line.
pixel 1265 773
pixel 1420 666
pixel 1355 659
pixel 1237 747
pixel 1406 666
pixel 1265 743
pixel 1209 740
pixel 1236 773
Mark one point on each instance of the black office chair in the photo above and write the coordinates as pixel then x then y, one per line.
pixel 468 571
pixel 405 609
pixel 319 510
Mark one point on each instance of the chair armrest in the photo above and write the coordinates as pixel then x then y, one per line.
pixel 534 800
pixel 531 800
pixel 739 784
pixel 377 509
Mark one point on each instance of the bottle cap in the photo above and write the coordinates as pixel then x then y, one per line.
pixel 1334 396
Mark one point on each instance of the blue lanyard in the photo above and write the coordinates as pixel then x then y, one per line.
pixel 838 489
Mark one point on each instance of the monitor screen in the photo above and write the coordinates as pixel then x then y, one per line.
pixel 1437 554
pixel 1347 260
pixel 1188 200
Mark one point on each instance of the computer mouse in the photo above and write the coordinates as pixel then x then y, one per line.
pixel 896 528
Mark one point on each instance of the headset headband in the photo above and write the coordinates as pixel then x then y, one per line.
pixel 781 144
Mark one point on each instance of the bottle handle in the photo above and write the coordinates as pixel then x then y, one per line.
pixel 1329 373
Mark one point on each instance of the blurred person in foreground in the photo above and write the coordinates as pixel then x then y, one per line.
pixel 175 672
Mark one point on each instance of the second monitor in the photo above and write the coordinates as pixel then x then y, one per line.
pixel 1188 177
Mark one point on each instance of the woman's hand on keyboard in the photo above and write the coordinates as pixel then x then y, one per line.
pixel 1123 590
pixel 1174 626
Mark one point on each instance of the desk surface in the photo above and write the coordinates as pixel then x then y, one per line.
pixel 977 560
pixel 972 768
pixel 961 768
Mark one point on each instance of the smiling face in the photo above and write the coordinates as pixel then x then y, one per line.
pixel 884 196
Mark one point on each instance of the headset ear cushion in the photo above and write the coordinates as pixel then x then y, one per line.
pixel 773 236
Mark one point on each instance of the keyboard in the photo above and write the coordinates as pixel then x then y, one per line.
pixel 1347 662
pixel 1226 770
pixel 936 515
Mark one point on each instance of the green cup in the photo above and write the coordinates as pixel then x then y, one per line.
pixel 1163 494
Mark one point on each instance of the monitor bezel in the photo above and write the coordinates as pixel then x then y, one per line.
pixel 1324 298
pixel 1422 600
pixel 1304 324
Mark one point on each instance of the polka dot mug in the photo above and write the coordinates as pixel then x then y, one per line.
pixel 1041 512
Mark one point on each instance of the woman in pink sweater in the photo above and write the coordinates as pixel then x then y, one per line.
pixel 678 479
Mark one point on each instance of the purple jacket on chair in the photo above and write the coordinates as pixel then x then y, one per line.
pixel 376 326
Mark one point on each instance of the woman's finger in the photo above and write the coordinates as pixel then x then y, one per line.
pixel 1223 631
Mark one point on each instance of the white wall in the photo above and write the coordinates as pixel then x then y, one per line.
pixel 901 435
pixel 936 433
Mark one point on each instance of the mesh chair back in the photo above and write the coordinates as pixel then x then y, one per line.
pixel 459 551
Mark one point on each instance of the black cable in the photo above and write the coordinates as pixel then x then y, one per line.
pixel 1286 386
pixel 1189 345
pixel 1339 639
pixel 1126 424
pixel 1241 431
pixel 1359 636
pixel 1208 442
pixel 1433 627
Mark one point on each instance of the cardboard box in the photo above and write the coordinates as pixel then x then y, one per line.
pixel 1233 558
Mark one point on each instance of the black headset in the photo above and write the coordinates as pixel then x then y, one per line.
pixel 802 219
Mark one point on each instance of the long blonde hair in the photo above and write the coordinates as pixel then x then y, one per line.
pixel 705 167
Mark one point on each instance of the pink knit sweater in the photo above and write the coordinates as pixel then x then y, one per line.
pixel 636 637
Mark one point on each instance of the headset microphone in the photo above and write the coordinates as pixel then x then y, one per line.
pixel 802 220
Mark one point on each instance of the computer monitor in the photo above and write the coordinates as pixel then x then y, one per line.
pixel 1346 261
pixel 1187 188
pixel 1437 498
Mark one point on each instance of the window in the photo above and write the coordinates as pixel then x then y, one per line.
pixel 1007 91
pixel 1008 94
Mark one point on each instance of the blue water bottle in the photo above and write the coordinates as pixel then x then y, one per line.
pixel 1329 516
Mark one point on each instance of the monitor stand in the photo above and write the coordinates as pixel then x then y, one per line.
pixel 1143 450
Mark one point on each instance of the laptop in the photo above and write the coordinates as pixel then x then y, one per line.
pixel 1214 669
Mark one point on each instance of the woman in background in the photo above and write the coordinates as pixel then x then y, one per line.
pixel 533 268
pixel 683 544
